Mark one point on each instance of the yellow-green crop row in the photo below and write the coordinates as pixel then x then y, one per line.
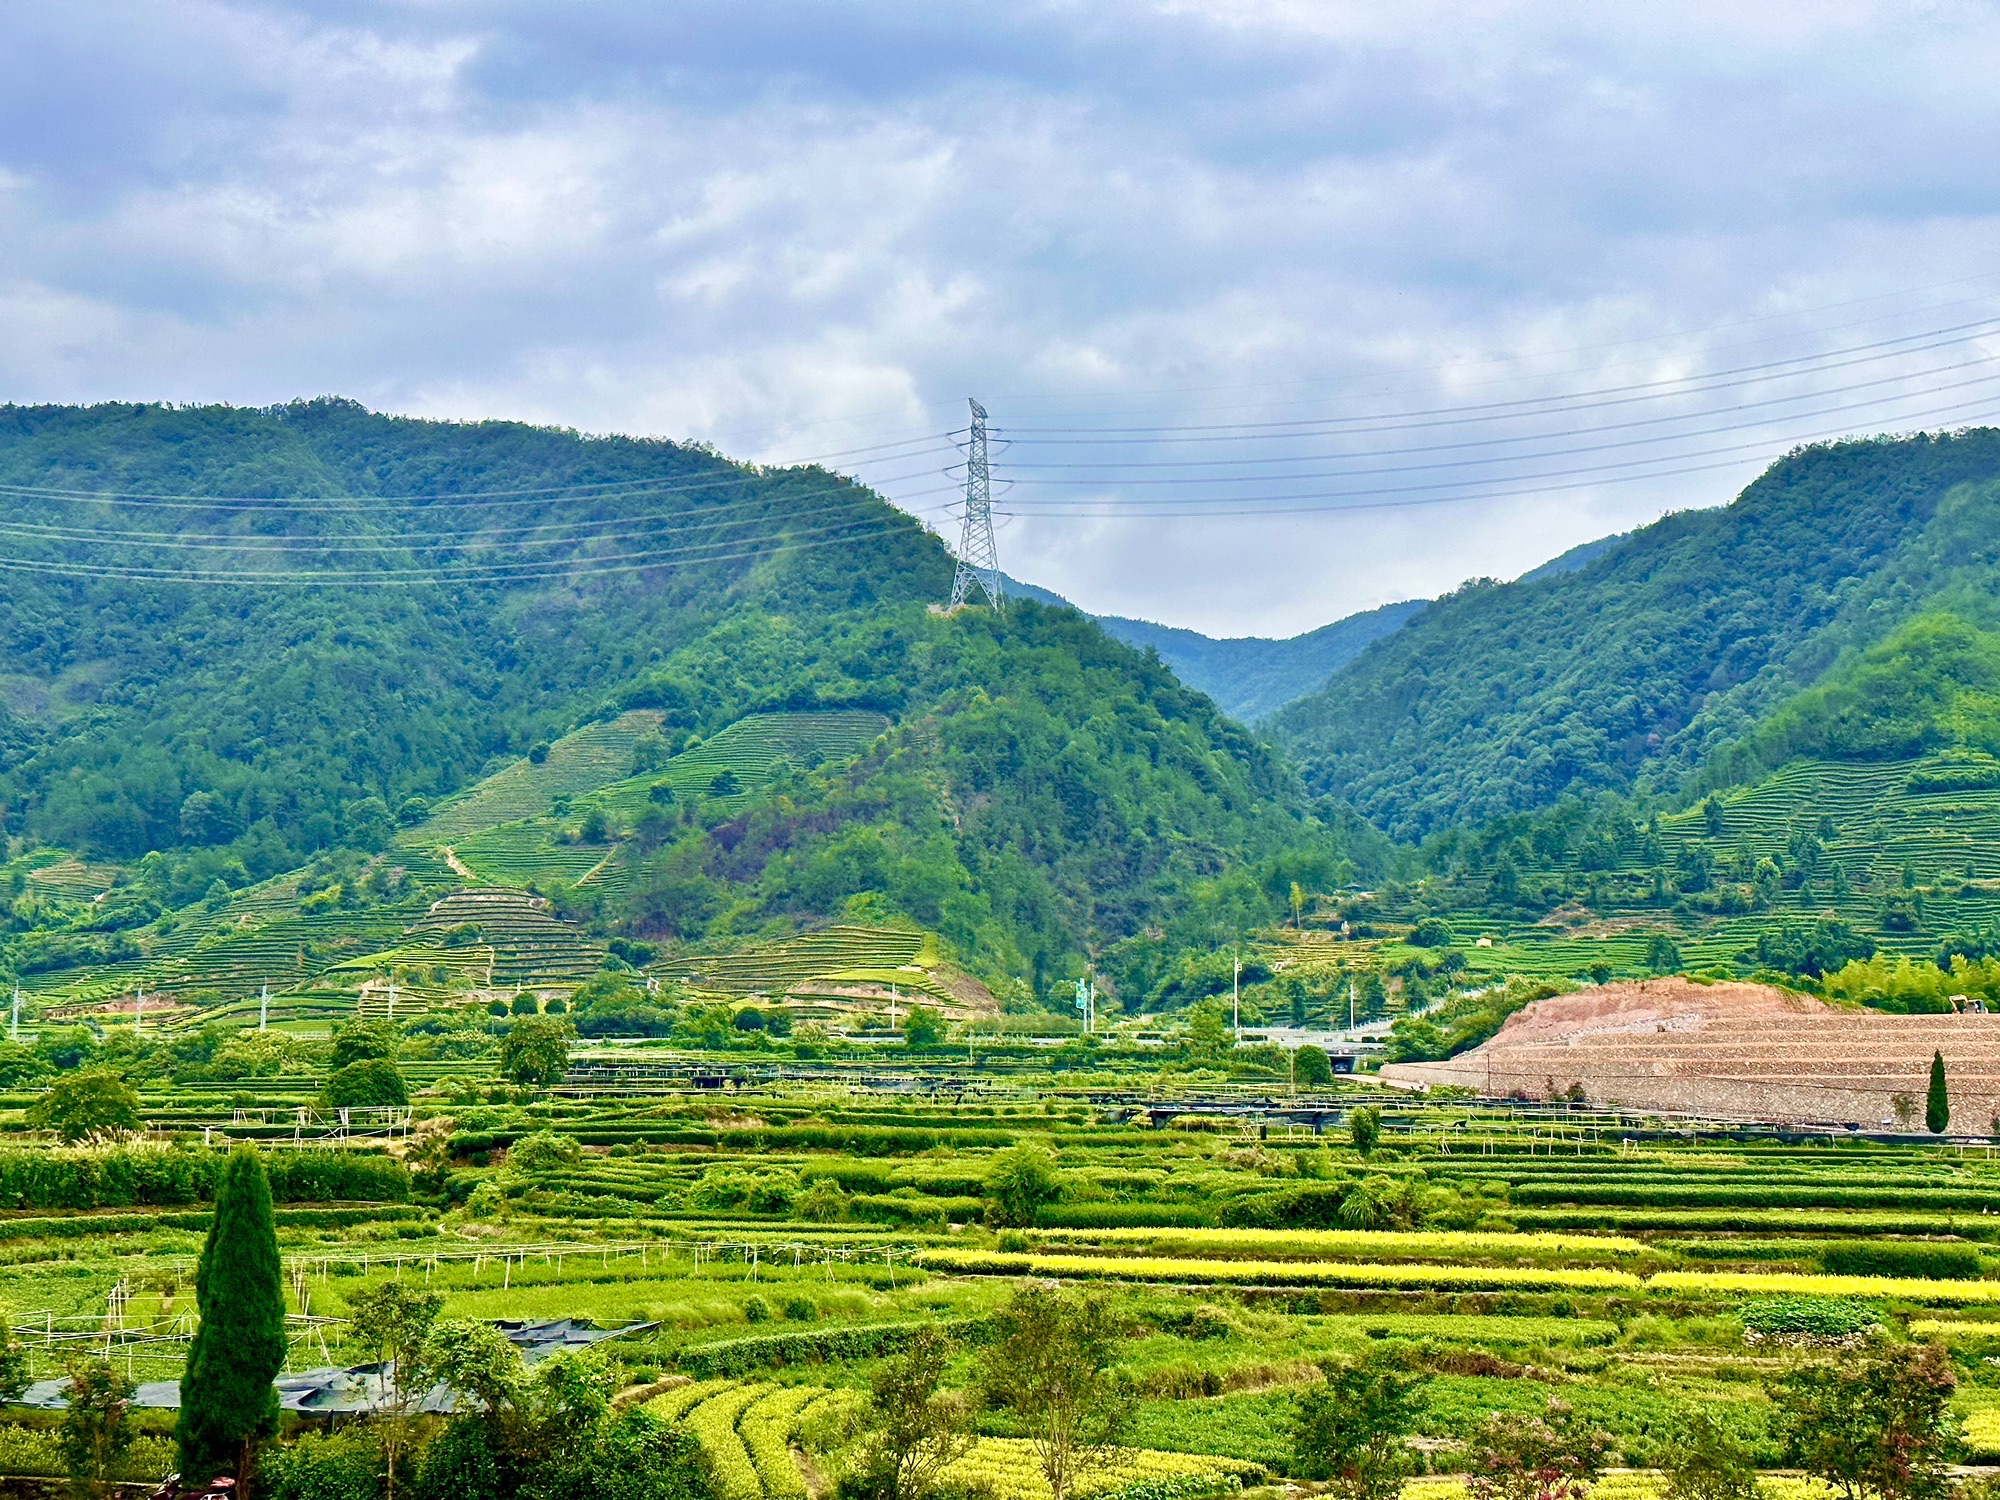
pixel 1942 1328
pixel 1306 1244
pixel 671 1406
pixel 766 1429
pixel 713 1424
pixel 1008 1468
pixel 1633 1484
pixel 1982 1431
pixel 1278 1272
pixel 1786 1283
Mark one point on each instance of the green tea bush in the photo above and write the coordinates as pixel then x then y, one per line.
pixel 1809 1317
pixel 763 1351
pixel 1123 1216
pixel 1901 1258
pixel 127 1176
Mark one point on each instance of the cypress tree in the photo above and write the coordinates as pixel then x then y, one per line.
pixel 228 1399
pixel 1937 1108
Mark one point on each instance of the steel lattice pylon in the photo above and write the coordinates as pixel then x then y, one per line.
pixel 978 557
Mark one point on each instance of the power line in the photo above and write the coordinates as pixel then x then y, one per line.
pixel 1462 463
pixel 1497 410
pixel 1593 475
pixel 437 500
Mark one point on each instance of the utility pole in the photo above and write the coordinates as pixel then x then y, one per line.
pixel 978 557
pixel 264 1008
pixel 139 1011
pixel 1350 1002
pixel 1235 991
pixel 14 1030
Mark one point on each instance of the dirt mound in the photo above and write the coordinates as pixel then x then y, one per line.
pixel 1733 1051
pixel 1648 1006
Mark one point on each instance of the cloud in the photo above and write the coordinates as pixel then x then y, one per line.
pixel 793 228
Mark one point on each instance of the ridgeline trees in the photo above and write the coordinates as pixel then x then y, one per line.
pixel 228 1402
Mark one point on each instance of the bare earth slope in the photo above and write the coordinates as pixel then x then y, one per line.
pixel 1733 1051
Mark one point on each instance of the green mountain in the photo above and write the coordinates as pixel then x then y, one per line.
pixel 279 682
pixel 1637 670
pixel 1252 677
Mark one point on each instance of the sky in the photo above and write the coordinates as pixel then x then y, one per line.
pixel 1279 310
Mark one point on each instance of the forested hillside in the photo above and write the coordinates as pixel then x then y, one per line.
pixel 246 639
pixel 1636 669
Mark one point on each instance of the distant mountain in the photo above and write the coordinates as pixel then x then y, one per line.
pixel 238 642
pixel 1250 677
pixel 1654 662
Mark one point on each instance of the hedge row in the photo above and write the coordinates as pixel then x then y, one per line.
pixel 77 1226
pixel 1769 1196
pixel 1123 1216
pixel 763 1351
pixel 1753 1221
pixel 128 1176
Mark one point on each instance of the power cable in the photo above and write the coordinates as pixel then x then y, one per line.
pixel 1534 437
pixel 1581 400
pixel 1464 463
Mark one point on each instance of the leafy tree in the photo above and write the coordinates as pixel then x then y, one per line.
pixel 523 1004
pixel 228 1401
pixel 358 1041
pixel 1707 1461
pixel 96 1434
pixel 1351 1430
pixel 922 1027
pixel 372 1081
pixel 1311 1066
pixel 1876 1427
pixel 918 1429
pixel 1552 1455
pixel 1209 1038
pixel 536 1050
pixel 1431 932
pixel 393 1321
pixel 86 1105
pixel 1937 1101
pixel 1364 1128
pixel 1019 1181
pixel 1050 1367
pixel 1663 954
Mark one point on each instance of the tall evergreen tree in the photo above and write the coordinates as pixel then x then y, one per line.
pixel 1937 1107
pixel 228 1399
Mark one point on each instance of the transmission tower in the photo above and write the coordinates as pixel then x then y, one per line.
pixel 978 558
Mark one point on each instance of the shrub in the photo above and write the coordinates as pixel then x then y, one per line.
pixel 87 1104
pixel 373 1081
pixel 1901 1258
pixel 543 1151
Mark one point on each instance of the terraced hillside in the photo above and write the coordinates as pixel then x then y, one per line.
pixel 753 752
pixel 529 945
pixel 848 959
pixel 583 761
